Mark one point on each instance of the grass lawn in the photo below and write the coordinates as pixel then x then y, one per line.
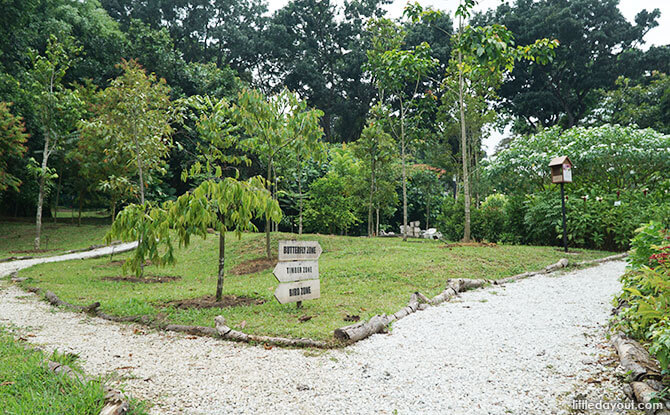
pixel 27 386
pixel 359 276
pixel 18 237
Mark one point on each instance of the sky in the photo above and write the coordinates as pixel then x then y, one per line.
pixel 660 35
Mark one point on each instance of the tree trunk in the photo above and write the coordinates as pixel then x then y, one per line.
pixel 268 223
pixel 57 197
pixel 113 209
pixel 81 201
pixel 40 195
pixel 139 169
pixel 222 261
pixel 371 224
pixel 427 212
pixel 464 148
pixel 404 173
pixel 377 230
pixel 299 197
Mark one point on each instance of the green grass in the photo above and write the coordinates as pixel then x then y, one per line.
pixel 359 276
pixel 56 238
pixel 27 386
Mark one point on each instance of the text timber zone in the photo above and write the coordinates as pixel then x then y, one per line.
pixel 298 270
pixel 299 250
pixel 292 292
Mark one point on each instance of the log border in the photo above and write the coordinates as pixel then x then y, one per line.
pixel 343 336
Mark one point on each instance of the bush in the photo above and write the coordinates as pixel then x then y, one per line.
pixel 646 292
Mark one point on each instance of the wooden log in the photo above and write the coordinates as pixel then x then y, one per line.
pixel 115 404
pixel 562 263
pixel 635 359
pixel 601 260
pixel 227 333
pixel 645 394
pixel 443 296
pixel 422 298
pixel 193 330
pixel 362 330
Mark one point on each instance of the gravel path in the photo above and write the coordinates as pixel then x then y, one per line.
pixel 520 349
pixel 7 268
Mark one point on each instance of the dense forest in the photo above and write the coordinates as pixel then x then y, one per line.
pixel 357 123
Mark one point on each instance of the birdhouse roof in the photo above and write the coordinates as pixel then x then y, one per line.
pixel 560 161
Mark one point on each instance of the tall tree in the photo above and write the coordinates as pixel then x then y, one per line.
pixel 275 125
pixel 595 39
pixel 377 149
pixel 398 75
pixel 134 116
pixel 56 108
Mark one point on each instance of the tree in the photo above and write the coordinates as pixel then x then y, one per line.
pixel 224 203
pixel 13 136
pixel 477 49
pixel 645 104
pixel 56 107
pixel 376 149
pixel 275 125
pixel 597 41
pixel 398 75
pixel 134 116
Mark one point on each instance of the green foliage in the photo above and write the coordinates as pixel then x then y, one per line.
pixel 226 204
pixel 595 39
pixel 645 104
pixel 134 118
pixel 609 157
pixel 645 300
pixel 13 136
pixel 647 237
pixel 331 205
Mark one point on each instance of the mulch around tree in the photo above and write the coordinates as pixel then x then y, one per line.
pixel 208 301
pixel 253 266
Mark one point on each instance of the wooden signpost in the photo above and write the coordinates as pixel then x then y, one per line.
pixel 298 272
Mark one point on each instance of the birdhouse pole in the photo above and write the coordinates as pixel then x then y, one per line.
pixel 561 172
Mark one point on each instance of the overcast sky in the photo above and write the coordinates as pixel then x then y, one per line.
pixel 629 8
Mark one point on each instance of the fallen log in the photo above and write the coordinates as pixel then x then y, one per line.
pixel 605 259
pixel 227 333
pixel 364 329
pixel 635 359
pixel 193 330
pixel 645 394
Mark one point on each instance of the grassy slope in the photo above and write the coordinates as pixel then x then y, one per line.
pixel 59 237
pixel 27 386
pixel 359 276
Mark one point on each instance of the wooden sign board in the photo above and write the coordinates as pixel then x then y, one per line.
pixel 298 291
pixel 299 250
pixel 288 271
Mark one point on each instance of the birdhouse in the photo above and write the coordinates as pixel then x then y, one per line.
pixel 561 170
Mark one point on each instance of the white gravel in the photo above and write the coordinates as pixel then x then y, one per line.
pixel 520 349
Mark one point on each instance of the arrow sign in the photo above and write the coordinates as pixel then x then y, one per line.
pixel 299 250
pixel 296 270
pixel 298 291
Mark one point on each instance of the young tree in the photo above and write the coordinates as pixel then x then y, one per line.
pixel 376 149
pixel 13 136
pixel 481 48
pixel 134 116
pixel 275 125
pixel 225 204
pixel 56 108
pixel 398 73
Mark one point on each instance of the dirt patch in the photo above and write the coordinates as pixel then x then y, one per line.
pixel 148 279
pixel 253 265
pixel 208 301
pixel 472 244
